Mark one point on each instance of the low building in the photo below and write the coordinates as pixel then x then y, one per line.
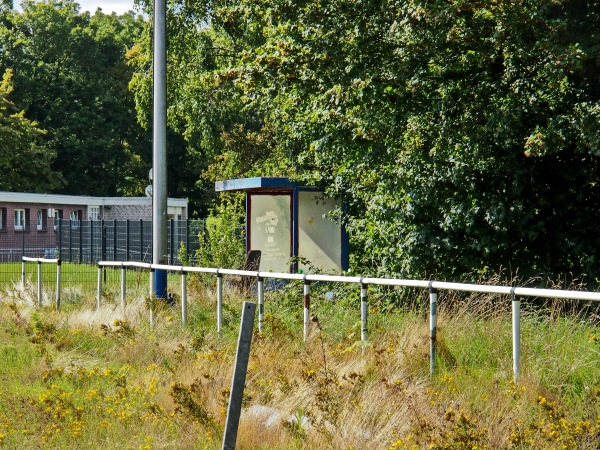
pixel 30 224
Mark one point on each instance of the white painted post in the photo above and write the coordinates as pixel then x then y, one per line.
pixel 183 298
pixel 261 303
pixel 433 298
pixel 306 307
pixel 364 309
pixel 123 290
pixel 58 266
pixel 99 293
pixel 219 303
pixel 516 331
pixel 152 298
pixel 39 282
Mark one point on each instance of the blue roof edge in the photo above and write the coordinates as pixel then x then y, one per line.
pixel 246 184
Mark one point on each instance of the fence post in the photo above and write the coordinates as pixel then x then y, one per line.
pixel 142 241
pixel 219 303
pixel 306 307
pixel 99 287
pixel 103 240
pixel 433 297
pixel 127 240
pixel 261 302
pixel 183 298
pixel 187 240
pixel 171 241
pixel 123 289
pixel 516 331
pixel 71 240
pixel 58 265
pixel 239 376
pixel 22 242
pixel 115 240
pixel 92 242
pixel 23 275
pixel 81 242
pixel 364 309
pixel 39 282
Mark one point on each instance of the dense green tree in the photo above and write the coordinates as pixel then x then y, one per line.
pixel 24 163
pixel 71 77
pixel 463 136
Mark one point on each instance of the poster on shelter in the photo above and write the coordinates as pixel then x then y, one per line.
pixel 320 237
pixel 270 231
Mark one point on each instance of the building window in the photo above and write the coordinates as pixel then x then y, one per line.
pixel 94 213
pixel 74 219
pixel 58 214
pixel 20 219
pixel 2 218
pixel 42 222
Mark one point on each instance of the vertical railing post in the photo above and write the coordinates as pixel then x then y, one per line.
pixel 39 282
pixel 433 298
pixel 58 270
pixel 183 298
pixel 23 274
pixel 306 307
pixel 516 331
pixel 219 303
pixel 123 289
pixel 260 282
pixel 151 301
pixel 99 293
pixel 239 376
pixel 364 311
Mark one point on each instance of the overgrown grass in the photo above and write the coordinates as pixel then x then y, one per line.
pixel 89 379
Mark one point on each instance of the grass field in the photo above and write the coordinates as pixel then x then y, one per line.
pixel 98 379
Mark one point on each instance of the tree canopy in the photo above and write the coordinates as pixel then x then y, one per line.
pixel 71 78
pixel 463 136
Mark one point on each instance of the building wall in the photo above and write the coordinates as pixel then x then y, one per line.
pixel 31 216
pixel 123 212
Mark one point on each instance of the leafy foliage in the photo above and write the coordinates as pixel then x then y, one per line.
pixel 463 136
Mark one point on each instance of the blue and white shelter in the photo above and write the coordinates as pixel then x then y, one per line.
pixel 285 221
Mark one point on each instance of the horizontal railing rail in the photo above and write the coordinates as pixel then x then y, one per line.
pixel 363 282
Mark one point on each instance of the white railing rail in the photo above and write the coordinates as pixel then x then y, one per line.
pixel 363 282
pixel 40 261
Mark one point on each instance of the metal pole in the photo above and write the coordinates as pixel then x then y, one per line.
pixel 433 297
pixel 58 265
pixel 159 153
pixel 91 242
pixel 99 287
pixel 115 240
pixel 516 331
pixel 261 303
pixel 219 304
pixel 39 282
pixel 364 309
pixel 81 242
pixel 239 376
pixel 141 240
pixel 171 243
pixel 71 240
pixel 183 298
pixel 123 289
pixel 306 307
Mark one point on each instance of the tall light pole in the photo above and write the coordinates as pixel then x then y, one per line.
pixel 159 149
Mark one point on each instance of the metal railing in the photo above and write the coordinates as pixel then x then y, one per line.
pixel 363 282
pixel 40 261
